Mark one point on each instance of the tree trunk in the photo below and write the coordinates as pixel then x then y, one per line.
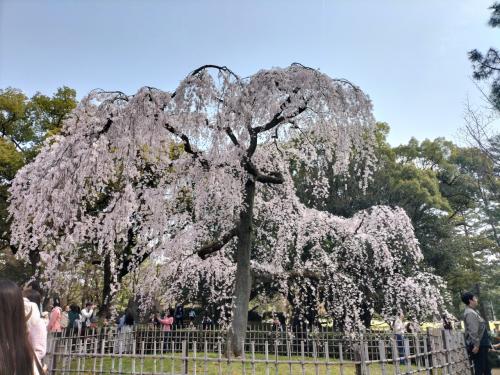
pixel 366 315
pixel 104 310
pixel 482 305
pixel 243 282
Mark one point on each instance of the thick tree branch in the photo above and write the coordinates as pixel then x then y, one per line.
pixel 6 135
pixel 271 178
pixel 308 274
pixel 106 127
pixel 12 139
pixel 231 135
pixel 278 117
pixel 253 141
pixel 215 246
pixel 187 146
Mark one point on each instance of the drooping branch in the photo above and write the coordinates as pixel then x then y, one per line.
pixel 215 246
pixel 218 67
pixel 340 80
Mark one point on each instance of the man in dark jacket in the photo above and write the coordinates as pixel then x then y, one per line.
pixel 476 335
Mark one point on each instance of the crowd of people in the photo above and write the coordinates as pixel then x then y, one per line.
pixel 25 330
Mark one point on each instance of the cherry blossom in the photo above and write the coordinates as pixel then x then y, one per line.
pixel 196 184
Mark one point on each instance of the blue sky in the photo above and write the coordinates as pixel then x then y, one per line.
pixel 409 56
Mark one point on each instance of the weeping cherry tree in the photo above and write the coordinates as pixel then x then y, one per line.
pixel 167 179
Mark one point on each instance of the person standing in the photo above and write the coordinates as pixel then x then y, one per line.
pixel 399 330
pixel 179 316
pixel 476 335
pixel 37 329
pixel 206 322
pixel 74 320
pixel 192 315
pixel 65 318
pixel 55 317
pixel 124 344
pixel 166 322
pixel 16 354
pixel 87 314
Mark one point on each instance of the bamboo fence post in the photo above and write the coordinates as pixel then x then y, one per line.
pixel 184 369
pixel 407 355
pixel 382 355
pixel 101 360
pixel 252 346
pixel 341 359
pixel 327 358
pixel 302 357
pixel 395 356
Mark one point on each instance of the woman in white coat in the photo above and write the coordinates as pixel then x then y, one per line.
pixel 16 354
pixel 37 329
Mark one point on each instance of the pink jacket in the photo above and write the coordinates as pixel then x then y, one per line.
pixel 167 323
pixel 55 320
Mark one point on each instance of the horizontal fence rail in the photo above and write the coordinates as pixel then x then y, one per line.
pixel 148 350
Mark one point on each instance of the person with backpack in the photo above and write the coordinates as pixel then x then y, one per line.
pixel 16 353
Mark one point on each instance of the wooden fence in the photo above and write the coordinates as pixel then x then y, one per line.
pixel 147 350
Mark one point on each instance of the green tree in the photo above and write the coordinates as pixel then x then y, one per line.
pixel 24 124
